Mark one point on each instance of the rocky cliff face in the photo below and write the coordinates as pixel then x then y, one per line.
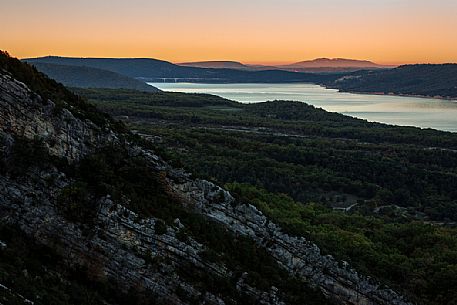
pixel 25 113
pixel 298 256
pixel 135 251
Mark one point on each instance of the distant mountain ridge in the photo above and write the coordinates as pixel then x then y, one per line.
pixel 87 77
pixel 228 64
pixel 154 70
pixel 316 65
pixel 334 63
pixel 224 64
pixel 132 67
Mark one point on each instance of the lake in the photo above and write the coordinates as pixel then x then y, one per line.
pixel 396 110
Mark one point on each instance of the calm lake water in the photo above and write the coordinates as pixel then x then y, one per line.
pixel 406 111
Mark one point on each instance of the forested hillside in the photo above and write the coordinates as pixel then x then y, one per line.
pixel 86 77
pixel 91 214
pixel 380 197
pixel 422 80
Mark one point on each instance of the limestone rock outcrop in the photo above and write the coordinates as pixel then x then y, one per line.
pixel 121 245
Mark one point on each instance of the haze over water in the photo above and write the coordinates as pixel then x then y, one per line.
pixel 396 110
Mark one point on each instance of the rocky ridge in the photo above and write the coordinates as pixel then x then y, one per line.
pixel 64 135
pixel 300 257
pixel 121 245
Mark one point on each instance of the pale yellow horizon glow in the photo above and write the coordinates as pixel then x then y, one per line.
pixel 254 32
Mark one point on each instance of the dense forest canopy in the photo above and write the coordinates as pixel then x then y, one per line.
pixel 381 197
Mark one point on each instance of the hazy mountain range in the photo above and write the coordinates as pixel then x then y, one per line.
pixel 315 65
pixel 154 70
pixel 216 64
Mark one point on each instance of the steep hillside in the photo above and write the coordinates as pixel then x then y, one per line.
pixel 423 80
pixel 377 196
pixel 90 215
pixel 85 77
pixel 156 71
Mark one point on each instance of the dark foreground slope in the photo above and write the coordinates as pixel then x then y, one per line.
pixel 379 197
pixel 157 70
pixel 90 215
pixel 86 77
pixel 422 80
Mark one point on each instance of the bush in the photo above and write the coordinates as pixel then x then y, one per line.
pixel 76 204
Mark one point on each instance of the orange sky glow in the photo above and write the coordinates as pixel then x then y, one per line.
pixel 267 31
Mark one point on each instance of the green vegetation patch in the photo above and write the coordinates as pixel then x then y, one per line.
pixel 396 184
pixel 418 258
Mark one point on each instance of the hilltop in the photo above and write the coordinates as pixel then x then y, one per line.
pixel 87 77
pixel 332 65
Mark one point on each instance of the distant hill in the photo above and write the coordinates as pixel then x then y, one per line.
pixel 216 65
pixel 228 65
pixel 316 65
pixel 424 80
pixel 86 77
pixel 335 63
pixel 157 71
pixel 332 65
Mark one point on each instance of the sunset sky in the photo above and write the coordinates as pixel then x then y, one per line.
pixel 251 31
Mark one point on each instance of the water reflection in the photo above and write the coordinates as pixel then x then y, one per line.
pixel 398 110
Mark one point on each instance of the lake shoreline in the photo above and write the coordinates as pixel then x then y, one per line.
pixel 450 99
pixel 401 110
